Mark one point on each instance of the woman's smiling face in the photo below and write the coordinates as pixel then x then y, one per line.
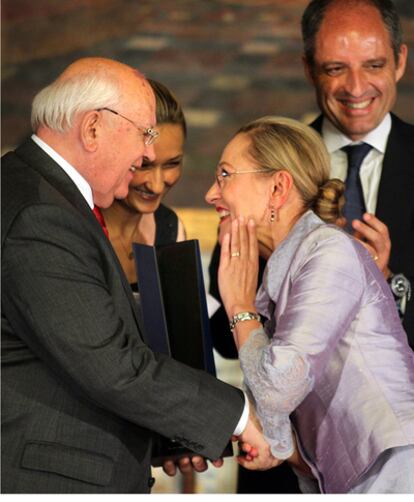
pixel 238 189
pixel 153 179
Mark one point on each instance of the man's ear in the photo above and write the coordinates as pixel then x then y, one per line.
pixel 89 130
pixel 402 61
pixel 308 69
pixel 281 187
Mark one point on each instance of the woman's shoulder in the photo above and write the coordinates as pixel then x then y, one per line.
pixel 334 243
pixel 328 234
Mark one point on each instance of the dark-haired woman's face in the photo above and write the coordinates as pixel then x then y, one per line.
pixel 153 180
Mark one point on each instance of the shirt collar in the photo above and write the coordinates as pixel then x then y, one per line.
pixel 377 138
pixel 80 182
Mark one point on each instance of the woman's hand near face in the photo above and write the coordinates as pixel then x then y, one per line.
pixel 238 270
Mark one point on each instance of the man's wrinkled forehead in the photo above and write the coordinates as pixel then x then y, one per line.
pixel 148 100
pixel 138 97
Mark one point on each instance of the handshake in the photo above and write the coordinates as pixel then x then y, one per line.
pixel 254 454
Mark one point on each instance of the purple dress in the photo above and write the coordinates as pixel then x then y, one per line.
pixel 333 362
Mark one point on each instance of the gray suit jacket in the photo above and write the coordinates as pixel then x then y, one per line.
pixel 81 392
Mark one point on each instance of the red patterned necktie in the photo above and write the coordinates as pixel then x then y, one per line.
pixel 100 218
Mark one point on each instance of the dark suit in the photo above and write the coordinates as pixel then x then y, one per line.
pixel 395 206
pixel 81 391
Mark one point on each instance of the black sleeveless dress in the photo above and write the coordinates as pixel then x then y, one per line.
pixel 166 230
pixel 166 226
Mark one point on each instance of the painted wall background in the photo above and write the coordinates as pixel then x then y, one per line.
pixel 227 61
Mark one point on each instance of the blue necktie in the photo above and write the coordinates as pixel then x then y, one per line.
pixel 354 197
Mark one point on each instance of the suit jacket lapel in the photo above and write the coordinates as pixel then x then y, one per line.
pixel 317 124
pixel 394 192
pixel 38 159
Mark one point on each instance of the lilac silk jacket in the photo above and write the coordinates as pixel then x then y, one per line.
pixel 333 362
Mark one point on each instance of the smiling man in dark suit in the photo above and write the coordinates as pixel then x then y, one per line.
pixel 82 394
pixel 354 57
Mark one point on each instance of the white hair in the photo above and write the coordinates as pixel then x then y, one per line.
pixel 56 105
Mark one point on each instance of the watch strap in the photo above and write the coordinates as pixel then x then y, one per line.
pixel 243 316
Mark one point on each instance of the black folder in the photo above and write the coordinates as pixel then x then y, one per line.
pixel 174 311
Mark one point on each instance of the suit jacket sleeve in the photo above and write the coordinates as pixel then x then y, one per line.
pixel 60 294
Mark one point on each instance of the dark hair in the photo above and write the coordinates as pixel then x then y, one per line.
pixel 168 109
pixel 315 13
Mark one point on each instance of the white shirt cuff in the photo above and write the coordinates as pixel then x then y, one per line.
pixel 243 419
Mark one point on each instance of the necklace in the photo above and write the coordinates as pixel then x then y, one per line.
pixel 129 253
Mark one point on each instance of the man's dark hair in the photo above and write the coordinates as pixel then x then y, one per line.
pixel 315 13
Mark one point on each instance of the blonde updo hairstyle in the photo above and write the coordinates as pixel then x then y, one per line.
pixel 279 143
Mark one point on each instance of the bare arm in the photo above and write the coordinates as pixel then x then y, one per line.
pixel 181 233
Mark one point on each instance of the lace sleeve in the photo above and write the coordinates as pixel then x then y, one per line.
pixel 278 378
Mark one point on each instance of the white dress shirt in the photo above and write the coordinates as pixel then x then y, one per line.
pixel 371 167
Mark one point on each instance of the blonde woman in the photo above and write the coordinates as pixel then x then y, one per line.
pixel 330 365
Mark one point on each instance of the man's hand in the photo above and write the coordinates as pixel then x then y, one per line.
pixel 189 464
pixel 374 235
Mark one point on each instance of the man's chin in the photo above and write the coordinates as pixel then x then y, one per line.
pixel 121 193
pixel 103 200
pixel 357 127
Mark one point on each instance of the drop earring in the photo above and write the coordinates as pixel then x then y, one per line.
pixel 272 214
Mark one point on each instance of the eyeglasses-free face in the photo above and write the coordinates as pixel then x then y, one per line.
pixel 149 134
pixel 355 72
